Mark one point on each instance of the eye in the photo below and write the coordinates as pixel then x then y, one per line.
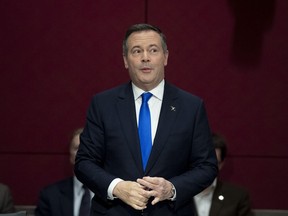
pixel 136 51
pixel 153 50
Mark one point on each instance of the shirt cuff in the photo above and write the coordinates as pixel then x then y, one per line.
pixel 111 188
pixel 173 198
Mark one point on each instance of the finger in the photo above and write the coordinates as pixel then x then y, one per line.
pixel 137 207
pixel 144 183
pixel 138 203
pixel 155 200
pixel 152 180
pixel 141 202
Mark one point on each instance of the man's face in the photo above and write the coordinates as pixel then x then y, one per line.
pixel 74 145
pixel 145 59
pixel 218 155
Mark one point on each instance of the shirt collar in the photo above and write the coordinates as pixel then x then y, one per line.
pixel 214 183
pixel 208 190
pixel 77 185
pixel 157 92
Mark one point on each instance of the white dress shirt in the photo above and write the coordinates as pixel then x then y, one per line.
pixel 155 103
pixel 78 194
pixel 203 200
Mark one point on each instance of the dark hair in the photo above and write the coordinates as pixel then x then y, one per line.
pixel 220 143
pixel 143 27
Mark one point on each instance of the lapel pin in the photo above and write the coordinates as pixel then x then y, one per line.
pixel 173 108
pixel 221 197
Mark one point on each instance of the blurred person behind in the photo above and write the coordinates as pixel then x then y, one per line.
pixel 63 198
pixel 6 200
pixel 222 198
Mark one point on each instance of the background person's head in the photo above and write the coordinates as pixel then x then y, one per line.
pixel 220 146
pixel 74 144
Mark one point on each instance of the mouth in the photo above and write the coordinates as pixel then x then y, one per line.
pixel 146 69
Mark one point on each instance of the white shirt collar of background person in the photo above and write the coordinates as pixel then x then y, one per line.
pixel 78 194
pixel 203 200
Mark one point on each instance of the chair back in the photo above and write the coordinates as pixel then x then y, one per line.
pixel 19 213
pixel 270 212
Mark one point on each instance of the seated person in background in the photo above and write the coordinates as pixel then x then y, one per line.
pixel 222 198
pixel 67 197
pixel 6 201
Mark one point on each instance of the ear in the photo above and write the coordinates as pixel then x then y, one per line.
pixel 125 61
pixel 166 54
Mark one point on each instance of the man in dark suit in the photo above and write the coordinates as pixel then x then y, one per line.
pixel 222 198
pixel 56 199
pixel 111 159
pixel 64 197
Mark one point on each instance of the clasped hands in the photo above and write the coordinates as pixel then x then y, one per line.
pixel 136 194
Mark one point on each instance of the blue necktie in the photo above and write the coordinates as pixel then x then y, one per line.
pixel 85 203
pixel 144 129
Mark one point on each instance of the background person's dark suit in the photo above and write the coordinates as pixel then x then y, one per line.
pixel 227 199
pixel 56 199
pixel 110 148
pixel 6 200
pixel 230 200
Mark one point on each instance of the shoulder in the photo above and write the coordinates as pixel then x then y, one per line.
pixel 189 102
pixel 106 99
pixel 230 188
pixel 58 186
pixel 171 89
pixel 6 200
pixel 4 189
pixel 115 91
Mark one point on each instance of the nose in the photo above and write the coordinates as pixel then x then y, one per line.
pixel 145 57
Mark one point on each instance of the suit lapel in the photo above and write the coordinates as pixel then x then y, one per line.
pixel 169 110
pixel 194 207
pixel 216 202
pixel 127 116
pixel 66 201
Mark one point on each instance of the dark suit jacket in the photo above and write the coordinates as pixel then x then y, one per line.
pixel 182 150
pixel 6 201
pixel 236 201
pixel 56 199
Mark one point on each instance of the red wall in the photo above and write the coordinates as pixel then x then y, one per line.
pixel 56 54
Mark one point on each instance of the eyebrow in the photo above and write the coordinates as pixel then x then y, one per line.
pixel 151 45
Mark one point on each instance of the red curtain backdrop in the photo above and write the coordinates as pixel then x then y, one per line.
pixel 55 55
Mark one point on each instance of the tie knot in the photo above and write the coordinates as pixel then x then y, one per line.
pixel 146 96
